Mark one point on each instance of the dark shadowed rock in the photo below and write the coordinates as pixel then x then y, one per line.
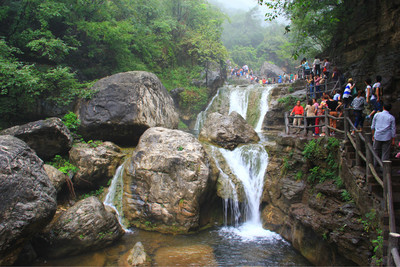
pixel 27 197
pixel 166 181
pixel 227 131
pixel 124 106
pixel 48 137
pixel 86 226
pixel 96 164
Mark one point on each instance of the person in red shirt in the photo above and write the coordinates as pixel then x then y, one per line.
pixel 298 112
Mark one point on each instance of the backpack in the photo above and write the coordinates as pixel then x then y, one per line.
pixel 380 91
pixel 354 91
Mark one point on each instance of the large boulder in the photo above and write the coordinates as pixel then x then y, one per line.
pixel 48 137
pixel 86 226
pixel 270 70
pixel 96 162
pixel 27 197
pixel 227 131
pixel 124 106
pixel 166 181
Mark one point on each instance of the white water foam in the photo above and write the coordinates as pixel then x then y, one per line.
pixel 264 107
pixel 249 232
pixel 238 101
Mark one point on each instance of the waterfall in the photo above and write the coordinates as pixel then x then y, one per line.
pixel 113 198
pixel 202 115
pixel 249 164
pixel 229 202
pixel 263 107
pixel 239 101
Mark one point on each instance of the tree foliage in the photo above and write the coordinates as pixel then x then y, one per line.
pixel 250 41
pixel 50 50
pixel 313 23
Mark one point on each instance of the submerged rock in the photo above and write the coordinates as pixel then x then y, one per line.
pixel 137 255
pixel 166 181
pixel 227 131
pixel 124 106
pixel 86 226
pixel 97 163
pixel 194 255
pixel 27 197
pixel 48 137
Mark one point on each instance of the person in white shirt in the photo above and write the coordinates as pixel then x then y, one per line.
pixel 383 131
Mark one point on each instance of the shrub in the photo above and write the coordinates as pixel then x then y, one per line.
pixel 71 121
pixel 63 165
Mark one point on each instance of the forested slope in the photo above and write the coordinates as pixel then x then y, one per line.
pixel 52 50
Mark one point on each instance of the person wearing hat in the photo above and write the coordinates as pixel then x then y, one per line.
pixel 347 93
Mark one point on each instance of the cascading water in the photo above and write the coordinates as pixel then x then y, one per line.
pixel 230 205
pixel 245 242
pixel 249 164
pixel 263 107
pixel 113 198
pixel 202 115
pixel 239 101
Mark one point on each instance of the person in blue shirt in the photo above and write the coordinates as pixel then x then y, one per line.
pixel 383 132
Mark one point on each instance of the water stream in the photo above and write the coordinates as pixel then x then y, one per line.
pixel 242 240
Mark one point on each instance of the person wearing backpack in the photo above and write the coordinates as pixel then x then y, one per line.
pixel 377 90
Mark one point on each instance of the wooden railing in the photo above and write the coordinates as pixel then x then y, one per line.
pixel 329 86
pixel 324 123
pixel 368 158
pixel 371 159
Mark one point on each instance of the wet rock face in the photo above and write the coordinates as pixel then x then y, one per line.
pixel 166 181
pixel 96 164
pixel 27 197
pixel 48 137
pixel 126 105
pixel 86 226
pixel 227 131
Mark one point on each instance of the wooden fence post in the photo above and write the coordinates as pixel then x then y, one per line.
pixel 358 149
pixel 368 155
pixel 346 124
pixel 326 123
pixel 387 173
pixel 305 124
pixel 287 122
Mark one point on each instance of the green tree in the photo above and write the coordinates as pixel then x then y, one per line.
pixel 313 23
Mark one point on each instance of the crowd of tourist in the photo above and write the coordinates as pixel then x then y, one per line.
pixel 364 104
pixel 245 72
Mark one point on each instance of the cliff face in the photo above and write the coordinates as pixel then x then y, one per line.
pixel 313 216
pixel 368 43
